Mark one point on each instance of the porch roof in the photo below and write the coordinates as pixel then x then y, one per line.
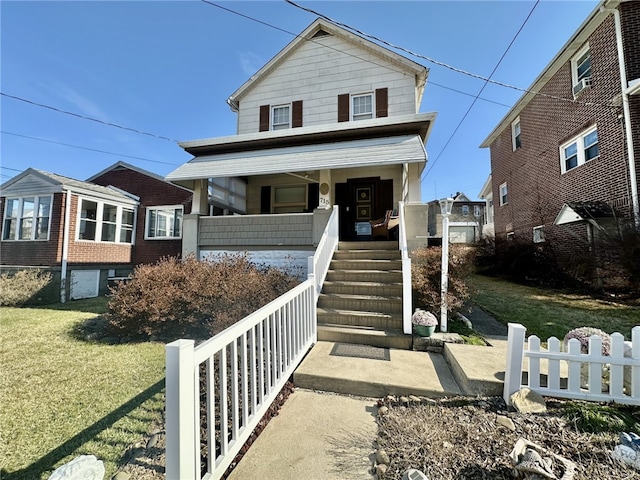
pixel 370 152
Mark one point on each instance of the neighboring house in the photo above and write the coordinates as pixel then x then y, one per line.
pixel 331 120
pixel 161 207
pixel 575 143
pixel 486 194
pixel 465 221
pixel 87 234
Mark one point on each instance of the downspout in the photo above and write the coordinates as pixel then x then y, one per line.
pixel 65 247
pixel 627 120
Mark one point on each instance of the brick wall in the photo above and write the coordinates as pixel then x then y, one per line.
pixel 536 188
pixel 152 192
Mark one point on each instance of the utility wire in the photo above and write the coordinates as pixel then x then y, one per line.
pixel 442 64
pixel 87 118
pixel 481 90
pixel 85 148
pixel 9 168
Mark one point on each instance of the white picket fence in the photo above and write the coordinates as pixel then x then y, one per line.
pixel 572 374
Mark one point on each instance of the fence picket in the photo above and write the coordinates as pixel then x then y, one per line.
pixel 635 368
pixel 574 366
pixel 534 362
pixel 553 382
pixel 616 371
pixel 595 365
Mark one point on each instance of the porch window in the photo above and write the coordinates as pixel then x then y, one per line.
pixel 289 199
pixel 27 218
pixel 164 222
pixel 105 222
pixel 362 106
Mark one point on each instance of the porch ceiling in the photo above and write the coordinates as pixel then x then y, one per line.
pixel 372 152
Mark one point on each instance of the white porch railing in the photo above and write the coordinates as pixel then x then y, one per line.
pixel 242 369
pixel 407 307
pixel 319 263
pixel 623 371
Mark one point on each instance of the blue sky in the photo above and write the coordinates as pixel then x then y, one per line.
pixel 167 68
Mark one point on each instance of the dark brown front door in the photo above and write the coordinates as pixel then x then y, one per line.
pixel 362 200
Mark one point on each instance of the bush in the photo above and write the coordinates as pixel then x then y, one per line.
pixel 24 287
pixel 191 298
pixel 426 277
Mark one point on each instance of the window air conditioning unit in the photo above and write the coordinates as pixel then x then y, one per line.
pixel 581 85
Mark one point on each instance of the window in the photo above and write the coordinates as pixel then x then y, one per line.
pixel 290 199
pixel 581 70
pixel 362 106
pixel 538 234
pixel 465 210
pixel 477 211
pixel 579 150
pixel 105 222
pixel 515 134
pixel 280 116
pixel 164 222
pixel 511 236
pixel 503 194
pixel 27 218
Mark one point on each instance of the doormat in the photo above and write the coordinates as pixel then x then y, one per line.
pixel 360 351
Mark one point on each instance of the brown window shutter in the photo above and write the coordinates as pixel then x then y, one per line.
pixel 382 102
pixel 296 114
pixel 265 111
pixel 343 107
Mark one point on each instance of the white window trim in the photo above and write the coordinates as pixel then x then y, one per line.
pixel 99 221
pixel 280 126
pixel 36 207
pixel 162 207
pixel 538 234
pixel 514 124
pixel 511 236
pixel 500 194
pixel 574 64
pixel 579 140
pixel 302 204
pixel 373 105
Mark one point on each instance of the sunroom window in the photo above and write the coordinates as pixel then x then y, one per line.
pixel 105 222
pixel 164 222
pixel 27 218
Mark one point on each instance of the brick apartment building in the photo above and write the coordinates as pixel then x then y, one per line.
pixel 87 233
pixel 565 160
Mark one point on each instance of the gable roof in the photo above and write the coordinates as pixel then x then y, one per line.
pixel 583 211
pixel 307 35
pixel 33 181
pixel 577 40
pixel 124 165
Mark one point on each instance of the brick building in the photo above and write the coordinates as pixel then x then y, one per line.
pixel 86 233
pixel 574 138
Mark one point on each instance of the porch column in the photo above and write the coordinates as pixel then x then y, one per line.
pixel 411 189
pixel 190 227
pixel 324 200
pixel 200 203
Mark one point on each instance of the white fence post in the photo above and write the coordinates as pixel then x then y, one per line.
pixel 515 355
pixel 182 453
pixel 635 368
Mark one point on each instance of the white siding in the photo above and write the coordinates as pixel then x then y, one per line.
pixel 317 73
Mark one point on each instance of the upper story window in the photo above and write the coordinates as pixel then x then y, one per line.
pixel 579 150
pixel 164 222
pixel 105 222
pixel 477 211
pixel 516 134
pixel 581 70
pixel 362 106
pixel 503 194
pixel 465 210
pixel 27 218
pixel 280 117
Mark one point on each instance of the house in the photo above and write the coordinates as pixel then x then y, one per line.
pixel 87 233
pixel 573 139
pixel 486 194
pixel 332 119
pixel 465 221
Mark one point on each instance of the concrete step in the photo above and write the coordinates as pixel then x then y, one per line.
pixel 400 372
pixel 366 265
pixel 363 303
pixel 364 336
pixel 383 276
pixel 367 255
pixel 382 321
pixel 363 288
pixel 391 245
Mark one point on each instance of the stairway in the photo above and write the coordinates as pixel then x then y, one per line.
pixel 361 299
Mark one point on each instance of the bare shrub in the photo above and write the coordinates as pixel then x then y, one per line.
pixel 23 287
pixel 426 277
pixel 193 298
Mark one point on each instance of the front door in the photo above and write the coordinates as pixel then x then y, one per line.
pixel 362 200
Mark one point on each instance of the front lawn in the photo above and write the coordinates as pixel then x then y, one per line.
pixel 548 313
pixel 61 396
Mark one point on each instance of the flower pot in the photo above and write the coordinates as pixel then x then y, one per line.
pixel 423 330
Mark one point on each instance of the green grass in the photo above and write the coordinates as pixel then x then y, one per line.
pixel 61 397
pixel 551 313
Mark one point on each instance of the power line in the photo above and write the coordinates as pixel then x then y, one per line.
pixel 84 148
pixel 9 168
pixel 442 64
pixel 87 118
pixel 481 90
